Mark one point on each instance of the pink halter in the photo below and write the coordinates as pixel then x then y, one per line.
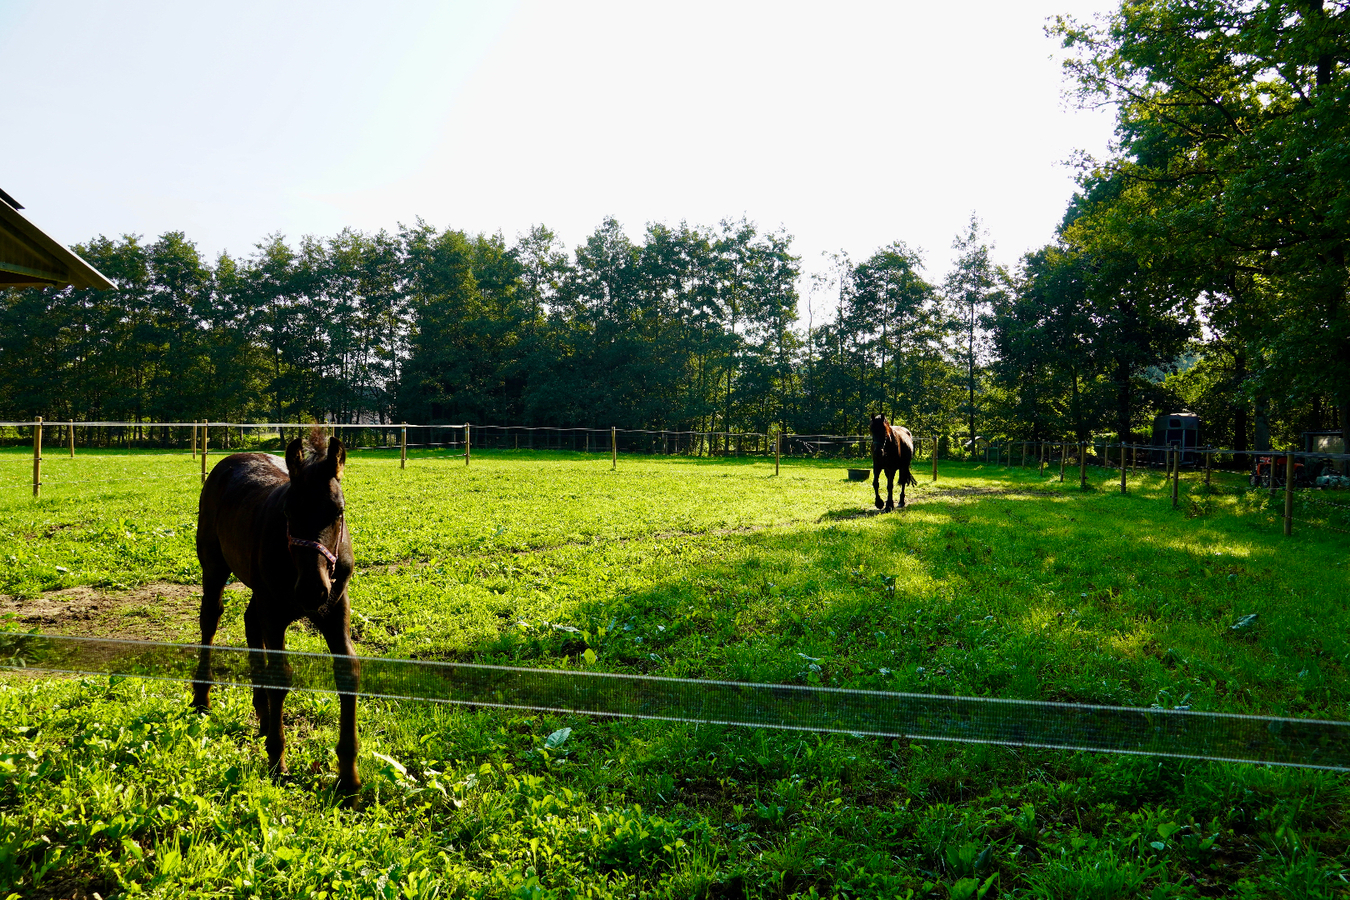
pixel 315 545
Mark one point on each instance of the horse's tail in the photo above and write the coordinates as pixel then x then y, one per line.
pixel 910 479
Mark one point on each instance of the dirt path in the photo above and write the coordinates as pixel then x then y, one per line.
pixel 161 611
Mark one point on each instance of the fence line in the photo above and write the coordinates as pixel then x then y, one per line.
pixel 1124 457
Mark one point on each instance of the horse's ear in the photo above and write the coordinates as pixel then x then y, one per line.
pixel 295 458
pixel 337 457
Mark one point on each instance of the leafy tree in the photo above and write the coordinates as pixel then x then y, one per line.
pixel 974 284
pixel 1232 123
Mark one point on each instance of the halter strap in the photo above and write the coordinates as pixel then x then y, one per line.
pixel 316 545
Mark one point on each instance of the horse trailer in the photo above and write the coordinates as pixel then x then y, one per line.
pixel 1181 429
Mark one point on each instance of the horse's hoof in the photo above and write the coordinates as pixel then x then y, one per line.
pixel 890 507
pixel 880 505
pixel 200 709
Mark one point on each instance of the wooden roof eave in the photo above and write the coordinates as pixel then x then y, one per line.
pixel 36 260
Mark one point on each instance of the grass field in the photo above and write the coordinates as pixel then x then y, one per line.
pixel 994 582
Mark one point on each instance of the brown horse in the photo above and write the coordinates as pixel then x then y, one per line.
pixel 280 530
pixel 892 450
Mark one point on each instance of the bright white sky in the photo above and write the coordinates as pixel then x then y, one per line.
pixel 849 124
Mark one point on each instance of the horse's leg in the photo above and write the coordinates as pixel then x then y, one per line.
pixel 876 489
pixel 904 479
pixel 215 573
pixel 347 676
pixel 890 489
pixel 257 659
pixel 279 668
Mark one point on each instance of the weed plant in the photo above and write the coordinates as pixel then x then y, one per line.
pixel 994 582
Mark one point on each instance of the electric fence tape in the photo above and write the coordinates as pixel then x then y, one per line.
pixel 1310 743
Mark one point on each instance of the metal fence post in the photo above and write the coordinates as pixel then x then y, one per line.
pixel 777 450
pixel 613 448
pixel 37 457
pixel 403 447
pixel 935 456
pixel 467 448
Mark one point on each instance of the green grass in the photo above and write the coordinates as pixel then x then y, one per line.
pixel 995 582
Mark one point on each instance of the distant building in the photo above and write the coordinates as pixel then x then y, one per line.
pixel 29 258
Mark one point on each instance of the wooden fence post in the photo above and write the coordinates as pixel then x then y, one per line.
pixel 935 456
pixel 467 448
pixel 1176 474
pixel 1040 469
pixel 1024 455
pixel 37 457
pixel 1082 465
pixel 70 433
pixel 194 439
pixel 206 439
pixel 613 449
pixel 403 446
pixel 1123 470
pixel 777 450
pixel 1289 494
pixel 1206 470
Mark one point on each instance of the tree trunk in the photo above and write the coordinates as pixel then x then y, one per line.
pixel 1123 400
pixel 1344 409
pixel 1240 423
pixel 1262 424
pixel 970 374
pixel 1077 403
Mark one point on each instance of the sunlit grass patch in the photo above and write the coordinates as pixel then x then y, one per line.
pixel 993 582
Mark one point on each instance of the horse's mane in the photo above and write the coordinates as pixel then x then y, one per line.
pixel 317 441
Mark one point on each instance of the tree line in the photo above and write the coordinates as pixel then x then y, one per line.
pixel 1202 265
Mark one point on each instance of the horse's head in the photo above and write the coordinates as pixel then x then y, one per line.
pixel 315 529
pixel 881 432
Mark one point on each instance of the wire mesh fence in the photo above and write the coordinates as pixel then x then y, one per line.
pixel 1312 743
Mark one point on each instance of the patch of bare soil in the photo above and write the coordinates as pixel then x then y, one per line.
pixel 161 611
pixel 963 493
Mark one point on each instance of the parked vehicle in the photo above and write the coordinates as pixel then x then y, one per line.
pixel 1262 472
pixel 1326 472
pixel 1179 429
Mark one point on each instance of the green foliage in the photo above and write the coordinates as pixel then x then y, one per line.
pixel 1227 186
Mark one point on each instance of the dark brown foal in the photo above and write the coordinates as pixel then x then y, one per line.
pixel 279 529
